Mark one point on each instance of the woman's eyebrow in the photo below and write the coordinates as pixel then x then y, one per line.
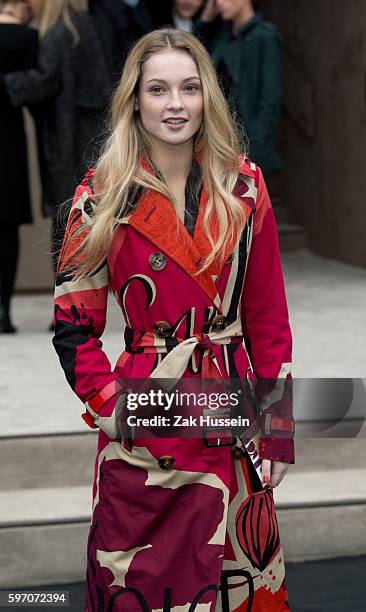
pixel 184 80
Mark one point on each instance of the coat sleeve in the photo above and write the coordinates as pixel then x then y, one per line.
pixel 27 87
pixel 267 332
pixel 80 316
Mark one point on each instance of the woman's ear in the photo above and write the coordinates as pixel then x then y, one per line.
pixel 137 105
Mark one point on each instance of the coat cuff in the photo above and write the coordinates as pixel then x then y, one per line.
pixel 102 402
pixel 277 449
pixel 96 402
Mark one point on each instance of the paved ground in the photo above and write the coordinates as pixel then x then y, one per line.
pixel 322 586
pixel 328 586
pixel 328 317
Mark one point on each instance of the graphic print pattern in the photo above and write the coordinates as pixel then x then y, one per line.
pixel 203 535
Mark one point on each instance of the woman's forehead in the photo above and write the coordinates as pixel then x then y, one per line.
pixel 169 61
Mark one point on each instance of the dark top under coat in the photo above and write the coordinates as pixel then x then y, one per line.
pixel 192 195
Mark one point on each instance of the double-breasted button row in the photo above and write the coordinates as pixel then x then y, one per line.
pixel 219 322
pixel 157 261
pixel 162 329
pixel 166 462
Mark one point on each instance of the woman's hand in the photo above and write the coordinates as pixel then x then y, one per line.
pixel 273 472
pixel 210 12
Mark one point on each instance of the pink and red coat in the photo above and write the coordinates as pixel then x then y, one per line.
pixel 202 535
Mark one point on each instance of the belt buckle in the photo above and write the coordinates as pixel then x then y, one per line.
pixel 209 444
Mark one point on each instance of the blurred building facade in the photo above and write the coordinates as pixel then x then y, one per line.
pixel 322 135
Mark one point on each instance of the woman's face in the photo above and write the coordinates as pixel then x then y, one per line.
pixel 186 9
pixel 170 99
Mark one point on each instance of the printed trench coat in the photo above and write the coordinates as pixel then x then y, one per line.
pixel 176 525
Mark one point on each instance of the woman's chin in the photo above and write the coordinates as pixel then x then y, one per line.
pixel 174 139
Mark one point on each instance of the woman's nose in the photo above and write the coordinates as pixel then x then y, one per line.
pixel 175 100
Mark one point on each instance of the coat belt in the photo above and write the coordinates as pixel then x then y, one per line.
pixel 172 367
pixel 174 364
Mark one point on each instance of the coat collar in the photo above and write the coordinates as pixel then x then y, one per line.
pixel 156 219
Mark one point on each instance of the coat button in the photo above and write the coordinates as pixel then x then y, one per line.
pixel 166 462
pixel 219 322
pixel 237 452
pixel 161 329
pixel 157 261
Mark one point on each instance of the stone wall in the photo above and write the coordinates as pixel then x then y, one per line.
pixel 322 136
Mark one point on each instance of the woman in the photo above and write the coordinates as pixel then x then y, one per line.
pixel 167 220
pixel 182 14
pixel 18 51
pixel 69 84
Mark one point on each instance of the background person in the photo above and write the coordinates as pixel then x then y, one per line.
pixel 247 52
pixel 184 13
pixel 160 12
pixel 18 51
pixel 70 89
pixel 194 263
pixel 180 14
pixel 120 23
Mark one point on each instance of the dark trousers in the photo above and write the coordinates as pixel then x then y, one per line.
pixel 9 251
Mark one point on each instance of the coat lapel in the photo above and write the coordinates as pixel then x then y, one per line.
pixel 157 220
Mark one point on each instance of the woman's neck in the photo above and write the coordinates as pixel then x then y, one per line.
pixel 173 161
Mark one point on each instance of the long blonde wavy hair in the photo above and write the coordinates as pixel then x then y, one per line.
pixel 49 12
pixel 118 169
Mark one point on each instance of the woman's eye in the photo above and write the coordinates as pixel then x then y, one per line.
pixel 158 89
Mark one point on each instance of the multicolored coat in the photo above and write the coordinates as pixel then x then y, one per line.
pixel 177 525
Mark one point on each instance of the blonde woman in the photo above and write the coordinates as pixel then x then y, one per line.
pixel 68 88
pixel 179 225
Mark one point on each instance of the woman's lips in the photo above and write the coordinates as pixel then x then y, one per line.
pixel 175 126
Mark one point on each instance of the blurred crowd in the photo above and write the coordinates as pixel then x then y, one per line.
pixel 62 59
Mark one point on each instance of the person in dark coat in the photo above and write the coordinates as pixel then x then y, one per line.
pixel 121 23
pixel 18 51
pixel 247 52
pixel 70 87
pixel 180 14
pixel 161 12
